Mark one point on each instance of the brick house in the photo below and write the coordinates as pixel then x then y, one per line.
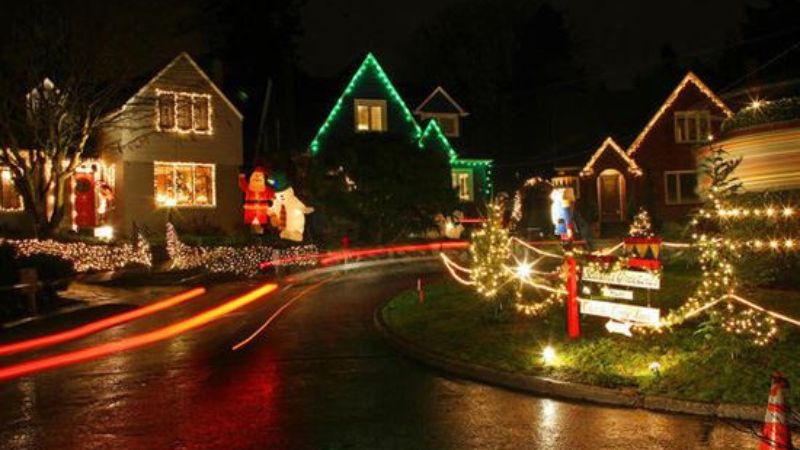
pixel 659 170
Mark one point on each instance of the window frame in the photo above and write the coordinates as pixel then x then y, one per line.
pixel 678 195
pixel 9 178
pixel 192 101
pixel 370 103
pixel 174 164
pixel 695 116
pixel 455 182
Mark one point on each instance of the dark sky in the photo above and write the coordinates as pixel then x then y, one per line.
pixel 616 40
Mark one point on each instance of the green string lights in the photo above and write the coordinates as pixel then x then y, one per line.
pixel 370 64
pixel 433 135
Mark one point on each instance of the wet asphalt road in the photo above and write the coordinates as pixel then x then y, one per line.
pixel 320 377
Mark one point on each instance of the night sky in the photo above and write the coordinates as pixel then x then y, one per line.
pixel 616 40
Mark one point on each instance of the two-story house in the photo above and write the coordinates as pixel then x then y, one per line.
pixel 371 104
pixel 441 106
pixel 173 151
pixel 659 170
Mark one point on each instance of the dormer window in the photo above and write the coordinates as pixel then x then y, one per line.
pixel 183 112
pixel 448 123
pixel 370 115
pixel 692 126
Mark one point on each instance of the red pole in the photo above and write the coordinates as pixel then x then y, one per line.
pixel 573 309
pixel 420 291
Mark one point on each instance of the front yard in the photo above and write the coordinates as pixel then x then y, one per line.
pixel 696 362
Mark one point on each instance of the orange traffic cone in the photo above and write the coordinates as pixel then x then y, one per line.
pixel 776 434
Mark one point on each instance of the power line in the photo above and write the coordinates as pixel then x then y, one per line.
pixel 762 66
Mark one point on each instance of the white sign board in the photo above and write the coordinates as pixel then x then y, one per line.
pixel 619 327
pixel 622 294
pixel 630 278
pixel 621 312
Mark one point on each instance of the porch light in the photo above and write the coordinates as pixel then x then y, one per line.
pixel 549 355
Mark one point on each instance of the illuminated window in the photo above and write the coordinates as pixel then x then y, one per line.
pixel 692 126
pixel 166 111
pixel 10 200
pixel 183 112
pixel 184 184
pixel 200 106
pixel 462 183
pixel 370 115
pixel 680 187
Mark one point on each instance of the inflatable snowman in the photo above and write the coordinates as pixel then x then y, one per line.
pixel 291 213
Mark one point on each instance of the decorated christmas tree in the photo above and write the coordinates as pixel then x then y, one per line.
pixel 719 254
pixel 490 248
pixel 641 226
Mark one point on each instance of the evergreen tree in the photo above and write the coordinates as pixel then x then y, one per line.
pixel 490 249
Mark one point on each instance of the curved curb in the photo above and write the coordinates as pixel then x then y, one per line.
pixel 549 387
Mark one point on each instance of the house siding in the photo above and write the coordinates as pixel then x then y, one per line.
pixel 137 145
pixel 659 153
pixel 138 206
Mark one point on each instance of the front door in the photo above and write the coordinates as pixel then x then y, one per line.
pixel 610 193
pixel 85 211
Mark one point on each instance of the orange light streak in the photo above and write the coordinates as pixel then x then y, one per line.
pixel 136 341
pixel 277 313
pixel 93 327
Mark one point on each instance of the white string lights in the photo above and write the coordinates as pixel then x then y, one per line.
pixel 456 269
pixel 495 266
pixel 243 261
pixel 516 211
pixel 88 257
pixel 718 255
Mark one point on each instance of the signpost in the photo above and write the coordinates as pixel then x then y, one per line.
pixel 622 294
pixel 630 278
pixel 619 327
pixel 621 312
pixel 603 288
pixel 573 311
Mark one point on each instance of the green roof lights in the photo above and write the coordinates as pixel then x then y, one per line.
pixel 369 63
pixel 433 131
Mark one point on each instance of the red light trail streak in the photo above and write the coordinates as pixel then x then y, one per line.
pixel 360 253
pixel 136 341
pixel 93 327
pixel 332 257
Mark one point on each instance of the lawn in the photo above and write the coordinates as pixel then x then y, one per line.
pixel 696 362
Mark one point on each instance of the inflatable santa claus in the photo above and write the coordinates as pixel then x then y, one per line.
pixel 258 198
